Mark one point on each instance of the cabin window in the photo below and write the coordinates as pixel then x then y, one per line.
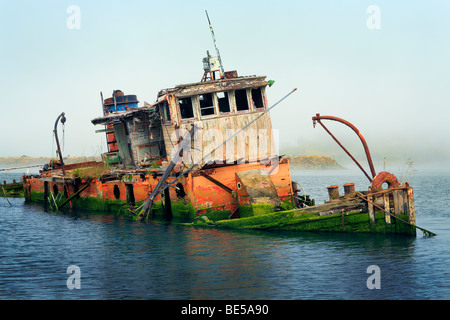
pixel 164 111
pixel 186 108
pixel 257 97
pixel 206 104
pixel 241 100
pixel 224 103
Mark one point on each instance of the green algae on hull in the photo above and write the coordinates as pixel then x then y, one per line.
pixel 321 218
pixel 13 190
pixel 292 221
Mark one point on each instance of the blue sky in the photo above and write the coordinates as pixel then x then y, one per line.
pixel 391 82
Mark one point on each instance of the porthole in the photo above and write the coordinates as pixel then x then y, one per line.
pixel 116 192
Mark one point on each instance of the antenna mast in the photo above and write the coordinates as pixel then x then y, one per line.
pixel 215 45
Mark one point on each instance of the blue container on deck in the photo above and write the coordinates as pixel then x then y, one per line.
pixel 122 103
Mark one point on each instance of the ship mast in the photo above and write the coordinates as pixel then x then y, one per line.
pixel 215 45
pixel 209 63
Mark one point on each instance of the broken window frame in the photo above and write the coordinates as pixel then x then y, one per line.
pixel 227 96
pixel 194 111
pixel 212 107
pixel 164 111
pixel 261 96
pixel 238 104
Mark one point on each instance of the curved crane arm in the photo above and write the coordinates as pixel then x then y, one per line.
pixel 318 117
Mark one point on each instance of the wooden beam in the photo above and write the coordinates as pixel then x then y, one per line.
pixel 220 184
pixel 74 195
pixel 386 207
pixel 370 208
pixel 411 209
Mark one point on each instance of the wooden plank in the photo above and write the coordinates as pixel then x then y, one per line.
pixel 169 144
pixel 395 201
pixel 404 208
pixel 220 184
pixel 370 208
pixel 387 217
pixel 398 201
pixel 82 165
pixel 411 208
pixel 219 126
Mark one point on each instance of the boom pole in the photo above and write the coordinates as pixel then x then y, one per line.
pixel 215 45
pixel 55 131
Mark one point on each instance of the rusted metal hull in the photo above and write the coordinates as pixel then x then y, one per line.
pixel 210 191
pixel 241 196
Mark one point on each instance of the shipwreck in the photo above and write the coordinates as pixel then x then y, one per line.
pixel 206 152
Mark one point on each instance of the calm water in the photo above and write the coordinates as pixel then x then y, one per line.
pixel 121 259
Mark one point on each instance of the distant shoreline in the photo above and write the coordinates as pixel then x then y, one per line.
pixel 314 162
pixel 297 162
pixel 17 162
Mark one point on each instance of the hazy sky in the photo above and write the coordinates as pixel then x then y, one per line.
pixel 382 65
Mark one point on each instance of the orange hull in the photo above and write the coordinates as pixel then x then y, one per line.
pixel 213 189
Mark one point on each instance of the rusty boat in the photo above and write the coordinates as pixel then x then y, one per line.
pixel 205 152
pixel 149 168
